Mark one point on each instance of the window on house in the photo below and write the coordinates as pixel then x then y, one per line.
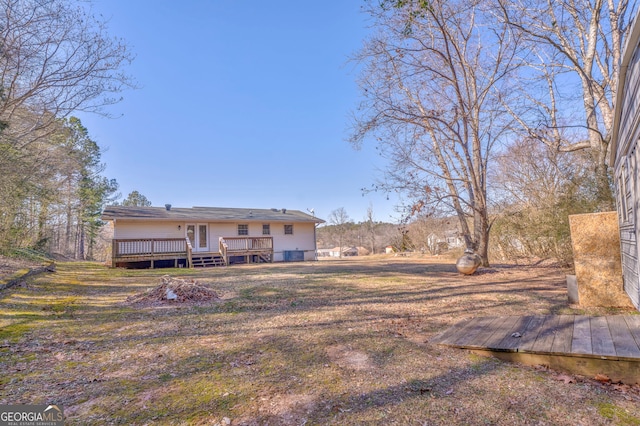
pixel 243 229
pixel 266 229
pixel 288 230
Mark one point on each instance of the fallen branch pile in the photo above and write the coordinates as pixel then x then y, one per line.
pixel 176 290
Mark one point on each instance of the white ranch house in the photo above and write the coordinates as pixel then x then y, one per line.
pixel 625 157
pixel 209 236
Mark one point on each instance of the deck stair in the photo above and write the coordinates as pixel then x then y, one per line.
pixel 204 260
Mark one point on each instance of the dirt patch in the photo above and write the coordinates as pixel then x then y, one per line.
pixel 347 357
pixel 10 266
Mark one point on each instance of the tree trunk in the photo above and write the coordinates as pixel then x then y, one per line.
pixel 481 233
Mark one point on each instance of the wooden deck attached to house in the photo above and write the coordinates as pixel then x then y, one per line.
pixel 584 345
pixel 180 251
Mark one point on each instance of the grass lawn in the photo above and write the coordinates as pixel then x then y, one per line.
pixel 344 342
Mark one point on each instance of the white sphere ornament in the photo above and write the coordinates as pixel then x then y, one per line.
pixel 468 263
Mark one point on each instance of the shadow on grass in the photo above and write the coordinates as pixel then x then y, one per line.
pixel 274 332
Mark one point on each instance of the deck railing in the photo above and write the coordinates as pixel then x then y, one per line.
pixel 223 249
pixel 248 243
pixel 189 253
pixel 144 249
pixel 148 246
pixel 230 246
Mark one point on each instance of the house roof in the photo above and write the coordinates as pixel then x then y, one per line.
pixel 344 249
pixel 206 214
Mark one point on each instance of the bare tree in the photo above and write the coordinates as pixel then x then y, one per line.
pixel 435 76
pixel 371 228
pixel 567 94
pixel 55 58
pixel 340 220
pixel 538 188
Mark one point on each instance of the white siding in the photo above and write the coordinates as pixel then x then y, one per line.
pixel 627 160
pixel 303 238
pixel 150 229
pixel 217 230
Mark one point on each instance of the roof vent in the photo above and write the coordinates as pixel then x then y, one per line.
pixel 167 206
pixel 284 210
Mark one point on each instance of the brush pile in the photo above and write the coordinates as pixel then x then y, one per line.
pixel 176 290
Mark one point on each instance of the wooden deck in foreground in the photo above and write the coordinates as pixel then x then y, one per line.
pixel 584 345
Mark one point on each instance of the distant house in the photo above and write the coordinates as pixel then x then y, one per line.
pixel 443 241
pixel 343 251
pixel 363 251
pixel 453 238
pixel 324 252
pixel 209 236
pixel 626 160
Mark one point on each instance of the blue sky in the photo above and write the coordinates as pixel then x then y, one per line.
pixel 240 104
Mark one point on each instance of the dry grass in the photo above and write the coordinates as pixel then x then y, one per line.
pixel 11 268
pixel 343 342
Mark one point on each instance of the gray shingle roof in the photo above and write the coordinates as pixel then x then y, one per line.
pixel 207 214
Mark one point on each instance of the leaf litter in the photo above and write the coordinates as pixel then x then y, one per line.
pixel 343 342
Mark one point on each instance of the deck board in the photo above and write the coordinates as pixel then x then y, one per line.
pixel 509 341
pixel 563 334
pixel 581 342
pixel 634 327
pixel 476 333
pixel 450 335
pixel 503 330
pixel 601 340
pixel 585 345
pixel 622 338
pixel 544 342
pixel 532 331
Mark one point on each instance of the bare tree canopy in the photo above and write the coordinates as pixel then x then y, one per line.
pixel 56 58
pixel 567 94
pixel 340 220
pixel 435 77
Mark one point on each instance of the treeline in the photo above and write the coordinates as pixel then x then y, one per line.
pixel 372 236
pixel 424 234
pixel 448 88
pixel 56 60
pixel 54 192
pixel 535 188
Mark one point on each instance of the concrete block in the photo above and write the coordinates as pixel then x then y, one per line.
pixel 572 289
